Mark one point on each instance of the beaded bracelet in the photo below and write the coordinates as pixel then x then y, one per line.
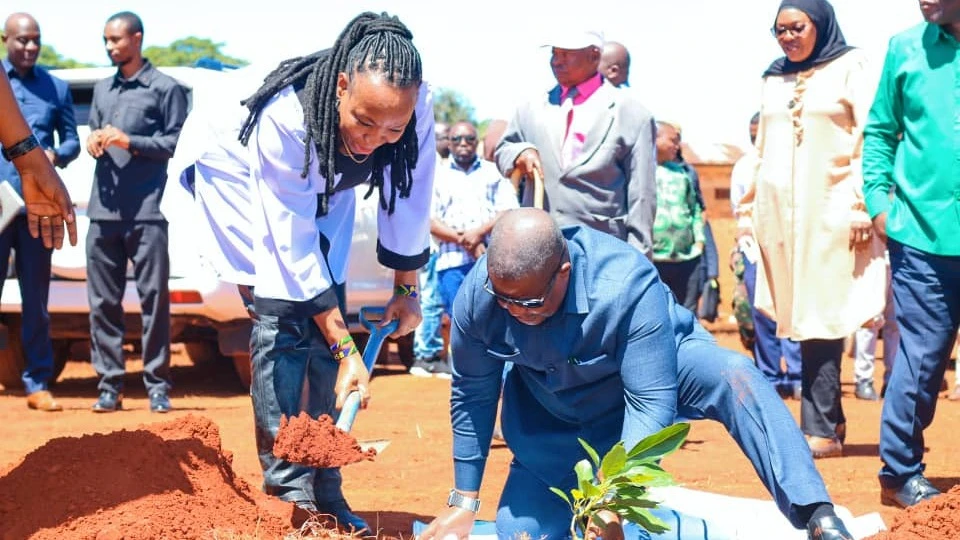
pixel 405 290
pixel 16 150
pixel 343 348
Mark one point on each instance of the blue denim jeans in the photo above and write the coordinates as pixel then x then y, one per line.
pixel 293 371
pixel 450 280
pixel 427 341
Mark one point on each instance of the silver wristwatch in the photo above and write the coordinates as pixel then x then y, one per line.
pixel 462 501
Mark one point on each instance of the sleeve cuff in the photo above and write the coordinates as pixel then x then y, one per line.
pixel 468 474
pixel 324 301
pixel 403 263
pixel 878 202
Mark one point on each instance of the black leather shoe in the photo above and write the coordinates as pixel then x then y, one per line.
pixel 828 528
pixel 866 391
pixel 340 512
pixel 916 489
pixel 159 402
pixel 108 402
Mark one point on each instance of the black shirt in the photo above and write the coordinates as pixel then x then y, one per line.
pixel 150 108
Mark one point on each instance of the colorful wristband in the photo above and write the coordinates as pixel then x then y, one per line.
pixel 405 290
pixel 16 150
pixel 343 348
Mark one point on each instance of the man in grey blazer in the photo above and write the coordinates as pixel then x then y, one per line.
pixel 592 143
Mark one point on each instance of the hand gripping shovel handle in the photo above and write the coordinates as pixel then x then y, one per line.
pixel 537 186
pixel 377 336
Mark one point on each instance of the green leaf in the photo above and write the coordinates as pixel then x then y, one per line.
pixel 590 452
pixel 590 491
pixel 562 495
pixel 584 472
pixel 613 462
pixel 662 443
pixel 645 519
pixel 577 494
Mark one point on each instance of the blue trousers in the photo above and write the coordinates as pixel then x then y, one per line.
pixel 768 348
pixel 926 294
pixel 450 280
pixel 427 341
pixel 33 274
pixel 293 371
pixel 713 383
pixel 526 498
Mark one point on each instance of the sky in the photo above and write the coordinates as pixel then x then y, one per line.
pixel 694 62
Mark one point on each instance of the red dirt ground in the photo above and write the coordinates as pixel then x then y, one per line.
pixel 77 474
pixel 52 487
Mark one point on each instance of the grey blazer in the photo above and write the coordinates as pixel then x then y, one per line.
pixel 612 187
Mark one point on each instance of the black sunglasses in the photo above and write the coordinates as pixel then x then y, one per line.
pixel 469 138
pixel 795 30
pixel 528 303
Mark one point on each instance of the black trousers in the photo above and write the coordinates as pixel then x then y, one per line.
pixel 821 409
pixel 110 244
pixel 685 279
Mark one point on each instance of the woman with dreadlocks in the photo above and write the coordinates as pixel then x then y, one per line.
pixel 276 195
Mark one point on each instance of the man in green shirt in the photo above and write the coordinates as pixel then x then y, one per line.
pixel 912 149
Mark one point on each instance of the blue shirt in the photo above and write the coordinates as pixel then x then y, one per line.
pixel 48 108
pixel 604 367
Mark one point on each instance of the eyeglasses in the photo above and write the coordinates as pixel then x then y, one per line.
pixel 795 30
pixel 442 138
pixel 456 139
pixel 528 303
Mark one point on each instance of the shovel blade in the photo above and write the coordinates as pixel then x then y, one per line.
pixel 377 444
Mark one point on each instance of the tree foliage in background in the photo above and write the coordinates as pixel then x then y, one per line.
pixel 50 58
pixel 186 52
pixel 450 106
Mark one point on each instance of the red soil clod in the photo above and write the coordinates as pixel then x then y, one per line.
pixel 317 443
pixel 934 519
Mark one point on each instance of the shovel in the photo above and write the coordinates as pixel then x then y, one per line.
pixel 352 404
pixel 537 186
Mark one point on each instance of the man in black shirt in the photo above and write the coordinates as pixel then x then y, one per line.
pixel 135 120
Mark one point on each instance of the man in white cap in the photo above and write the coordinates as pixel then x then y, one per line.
pixel 592 144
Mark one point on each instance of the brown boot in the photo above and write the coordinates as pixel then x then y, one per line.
pixel 43 401
pixel 824 447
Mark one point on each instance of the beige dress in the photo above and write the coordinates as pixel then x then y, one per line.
pixel 806 194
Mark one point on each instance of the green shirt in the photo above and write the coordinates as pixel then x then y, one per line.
pixel 678 227
pixel 918 99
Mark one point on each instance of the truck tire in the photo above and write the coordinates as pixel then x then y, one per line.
pixel 11 356
pixel 202 352
pixel 405 350
pixel 244 368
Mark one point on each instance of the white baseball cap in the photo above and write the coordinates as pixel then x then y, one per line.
pixel 575 39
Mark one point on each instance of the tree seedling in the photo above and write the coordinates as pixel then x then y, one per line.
pixel 621 482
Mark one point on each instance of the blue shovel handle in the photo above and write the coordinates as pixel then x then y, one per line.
pixel 377 336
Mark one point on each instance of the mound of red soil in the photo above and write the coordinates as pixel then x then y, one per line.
pixel 934 519
pixel 166 480
pixel 317 443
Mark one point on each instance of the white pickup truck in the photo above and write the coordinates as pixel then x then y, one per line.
pixel 207 315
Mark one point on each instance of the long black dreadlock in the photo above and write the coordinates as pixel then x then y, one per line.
pixel 378 43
